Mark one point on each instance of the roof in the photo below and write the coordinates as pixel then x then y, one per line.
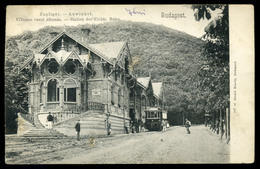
pixel 106 51
pixel 38 57
pixel 154 109
pixel 110 49
pixel 157 89
pixel 61 57
pixel 143 81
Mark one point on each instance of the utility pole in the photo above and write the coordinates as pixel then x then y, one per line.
pixel 183 118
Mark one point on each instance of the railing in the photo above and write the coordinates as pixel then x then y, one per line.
pixel 75 111
pixel 71 107
pixel 64 115
pixel 27 117
pixel 53 106
pixel 96 106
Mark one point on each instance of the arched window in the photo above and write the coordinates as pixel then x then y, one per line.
pixel 53 91
pixel 41 88
pixel 70 90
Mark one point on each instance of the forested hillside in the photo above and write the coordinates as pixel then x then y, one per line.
pixel 171 56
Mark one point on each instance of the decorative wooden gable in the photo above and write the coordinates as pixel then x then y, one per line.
pixel 122 56
pixel 48 56
pixel 74 56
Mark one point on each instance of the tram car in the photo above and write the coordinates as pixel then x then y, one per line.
pixel 154 118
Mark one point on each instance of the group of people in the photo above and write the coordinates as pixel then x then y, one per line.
pixel 77 127
pixel 218 126
pixel 136 126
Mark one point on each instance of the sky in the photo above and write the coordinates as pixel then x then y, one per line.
pixel 32 18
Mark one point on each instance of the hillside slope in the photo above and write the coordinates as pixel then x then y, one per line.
pixel 171 56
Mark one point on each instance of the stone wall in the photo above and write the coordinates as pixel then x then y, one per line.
pixel 23 126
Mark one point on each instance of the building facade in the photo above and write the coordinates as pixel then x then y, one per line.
pixel 71 79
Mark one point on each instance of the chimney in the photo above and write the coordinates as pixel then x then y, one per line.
pixel 85 33
pixel 53 34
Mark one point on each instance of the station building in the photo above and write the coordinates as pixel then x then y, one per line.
pixel 92 82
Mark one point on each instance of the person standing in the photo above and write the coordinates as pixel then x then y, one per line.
pixel 222 127
pixel 187 125
pixel 126 127
pixel 161 127
pixel 217 126
pixel 49 121
pixel 109 129
pixel 164 125
pixel 77 127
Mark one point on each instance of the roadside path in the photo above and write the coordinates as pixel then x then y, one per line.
pixel 173 146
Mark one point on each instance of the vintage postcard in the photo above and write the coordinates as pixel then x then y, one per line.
pixel 129 84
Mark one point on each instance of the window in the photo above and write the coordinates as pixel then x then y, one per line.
pixel 143 102
pixel 122 78
pixel 152 115
pixel 41 86
pixel 126 66
pixel 53 91
pixel 116 74
pixel 119 97
pixel 70 94
pixel 53 67
pixel 132 94
pixel 70 67
pixel 70 91
pixel 148 114
pixel 112 94
pixel 82 91
pixel 155 114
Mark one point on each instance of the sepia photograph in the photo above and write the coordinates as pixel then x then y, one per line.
pixel 129 84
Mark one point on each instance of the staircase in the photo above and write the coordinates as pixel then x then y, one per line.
pixel 92 123
pixel 95 120
pixel 43 133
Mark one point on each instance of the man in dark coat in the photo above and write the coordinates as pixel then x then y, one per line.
pixel 187 125
pixel 49 120
pixel 109 129
pixel 77 127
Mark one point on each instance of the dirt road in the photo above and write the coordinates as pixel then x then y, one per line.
pixel 173 146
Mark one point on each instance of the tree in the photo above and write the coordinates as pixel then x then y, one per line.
pixel 214 74
pixel 16 96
